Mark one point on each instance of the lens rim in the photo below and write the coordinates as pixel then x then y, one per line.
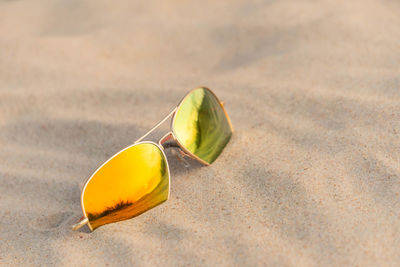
pixel 101 166
pixel 190 154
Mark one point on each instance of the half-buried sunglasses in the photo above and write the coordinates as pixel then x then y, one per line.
pixel 137 178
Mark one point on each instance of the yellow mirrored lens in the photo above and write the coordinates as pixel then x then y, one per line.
pixel 130 183
pixel 201 125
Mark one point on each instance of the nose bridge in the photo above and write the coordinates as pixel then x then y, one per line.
pixel 168 140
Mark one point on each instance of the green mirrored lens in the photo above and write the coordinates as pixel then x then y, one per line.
pixel 201 125
pixel 131 182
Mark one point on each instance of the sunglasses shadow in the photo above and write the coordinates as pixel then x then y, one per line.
pixel 178 164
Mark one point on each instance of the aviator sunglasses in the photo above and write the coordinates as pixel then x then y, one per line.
pixel 137 178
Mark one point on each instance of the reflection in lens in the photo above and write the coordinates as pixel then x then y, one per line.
pixel 130 183
pixel 201 125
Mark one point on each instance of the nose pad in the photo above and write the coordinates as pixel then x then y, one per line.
pixel 168 141
pixel 180 155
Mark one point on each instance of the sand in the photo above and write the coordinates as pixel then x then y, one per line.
pixel 310 178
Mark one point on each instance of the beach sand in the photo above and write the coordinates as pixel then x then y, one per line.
pixel 311 176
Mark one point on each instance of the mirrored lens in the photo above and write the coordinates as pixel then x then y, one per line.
pixel 130 183
pixel 201 125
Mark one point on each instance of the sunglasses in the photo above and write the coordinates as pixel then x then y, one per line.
pixel 137 178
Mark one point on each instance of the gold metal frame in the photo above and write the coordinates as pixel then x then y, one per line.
pixel 170 135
